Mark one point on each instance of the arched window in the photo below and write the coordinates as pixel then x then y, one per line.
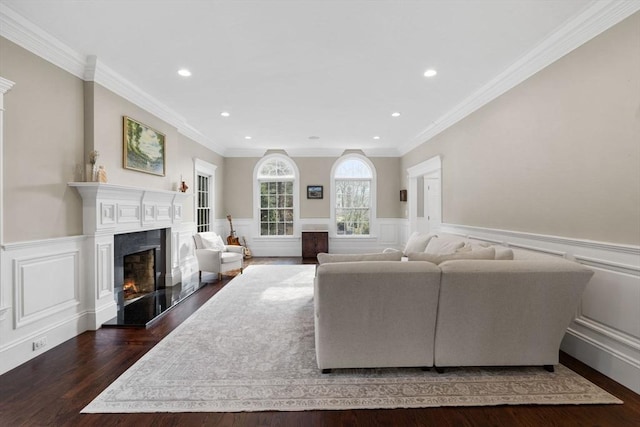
pixel 276 204
pixel 353 195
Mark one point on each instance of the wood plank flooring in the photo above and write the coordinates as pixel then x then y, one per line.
pixel 51 389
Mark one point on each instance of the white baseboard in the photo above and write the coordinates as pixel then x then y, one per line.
pixel 15 353
pixel 603 360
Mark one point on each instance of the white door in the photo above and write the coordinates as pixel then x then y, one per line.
pixel 433 203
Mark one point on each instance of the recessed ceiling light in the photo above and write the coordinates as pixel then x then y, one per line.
pixel 376 137
pixel 396 114
pixel 430 72
pixel 247 137
pixel 225 114
pixel 184 72
pixel 314 137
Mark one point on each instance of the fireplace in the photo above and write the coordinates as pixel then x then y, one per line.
pixel 140 265
pixel 112 211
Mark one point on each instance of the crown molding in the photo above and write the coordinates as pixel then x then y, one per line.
pixel 24 33
pixel 595 19
pixel 309 152
pixel 5 85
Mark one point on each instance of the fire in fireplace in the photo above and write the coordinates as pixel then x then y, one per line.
pixel 139 274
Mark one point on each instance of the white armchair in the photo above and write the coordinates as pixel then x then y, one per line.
pixel 216 257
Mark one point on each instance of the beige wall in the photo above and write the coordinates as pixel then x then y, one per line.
pixel 184 153
pixel 313 171
pixel 43 143
pixel 559 154
pixel 49 114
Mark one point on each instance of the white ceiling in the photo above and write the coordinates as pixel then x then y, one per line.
pixel 288 70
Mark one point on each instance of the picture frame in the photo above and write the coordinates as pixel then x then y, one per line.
pixel 143 148
pixel 314 191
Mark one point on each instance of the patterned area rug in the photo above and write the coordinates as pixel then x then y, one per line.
pixel 251 348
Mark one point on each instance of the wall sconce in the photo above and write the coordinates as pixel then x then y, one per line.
pixel 403 195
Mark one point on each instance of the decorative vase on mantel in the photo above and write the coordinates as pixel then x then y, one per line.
pixel 92 172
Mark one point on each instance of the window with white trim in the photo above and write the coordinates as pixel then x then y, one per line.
pixel 276 180
pixel 203 208
pixel 353 201
pixel 204 178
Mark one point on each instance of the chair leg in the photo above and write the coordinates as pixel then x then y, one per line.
pixel 219 276
pixel 200 276
pixel 241 270
pixel 549 368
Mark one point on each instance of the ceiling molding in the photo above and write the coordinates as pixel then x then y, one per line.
pixel 309 152
pixel 21 31
pixel 595 19
pixel 5 86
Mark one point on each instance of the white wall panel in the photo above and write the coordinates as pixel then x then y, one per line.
pixel 612 299
pixel 45 279
pixel 44 285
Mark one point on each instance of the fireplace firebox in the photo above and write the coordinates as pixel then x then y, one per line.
pixel 139 274
pixel 140 265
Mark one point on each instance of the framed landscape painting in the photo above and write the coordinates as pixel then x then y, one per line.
pixel 314 191
pixel 144 148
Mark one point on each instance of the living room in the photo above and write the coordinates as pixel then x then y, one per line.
pixel 544 156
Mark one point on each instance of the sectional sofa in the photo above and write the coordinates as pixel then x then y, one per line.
pixel 455 305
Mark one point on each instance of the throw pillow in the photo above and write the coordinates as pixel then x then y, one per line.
pixel 324 258
pixel 389 250
pixel 417 242
pixel 438 246
pixel 503 253
pixel 211 240
pixel 484 253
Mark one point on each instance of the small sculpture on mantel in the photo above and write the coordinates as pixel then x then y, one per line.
pixel 183 187
pixel 102 174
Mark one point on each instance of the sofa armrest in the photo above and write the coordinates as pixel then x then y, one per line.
pixel 506 312
pixel 375 314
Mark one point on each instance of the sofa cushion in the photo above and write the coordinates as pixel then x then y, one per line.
pixel 211 240
pixel 324 258
pixel 417 242
pixel 439 246
pixel 484 253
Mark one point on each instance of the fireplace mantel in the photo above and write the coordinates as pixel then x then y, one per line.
pixel 121 209
pixel 108 210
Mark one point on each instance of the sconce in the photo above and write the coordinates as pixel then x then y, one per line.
pixel 403 195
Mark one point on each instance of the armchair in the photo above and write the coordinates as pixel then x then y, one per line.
pixel 216 257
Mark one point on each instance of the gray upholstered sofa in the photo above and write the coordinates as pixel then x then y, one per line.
pixel 451 312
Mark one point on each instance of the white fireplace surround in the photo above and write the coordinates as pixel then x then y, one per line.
pixel 109 209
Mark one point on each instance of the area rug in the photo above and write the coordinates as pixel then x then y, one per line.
pixel 251 348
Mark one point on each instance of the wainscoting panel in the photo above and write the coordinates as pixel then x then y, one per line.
pixel 48 304
pixel 606 331
pixel 184 264
pixel 612 300
pixel 104 282
pixel 44 285
pixel 387 232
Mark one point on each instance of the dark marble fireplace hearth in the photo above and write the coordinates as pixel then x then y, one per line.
pixel 140 265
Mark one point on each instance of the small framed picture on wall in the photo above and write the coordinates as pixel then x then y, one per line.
pixel 314 192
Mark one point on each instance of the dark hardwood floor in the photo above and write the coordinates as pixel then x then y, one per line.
pixel 51 389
